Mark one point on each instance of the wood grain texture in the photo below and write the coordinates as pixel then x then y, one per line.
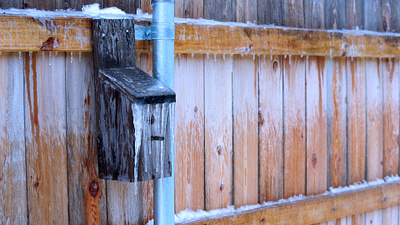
pixel 189 9
pixel 189 137
pixel 293 11
pixel 337 124
pixel 74 34
pixel 223 10
pixel 373 15
pixel 317 131
pixel 294 126
pixel 354 14
pixel 391 114
pixel 13 201
pixel 374 151
pixel 270 12
pixel 45 135
pixel 315 209
pixel 335 16
pixel 86 192
pixel 246 11
pixel 356 96
pixel 128 6
pixel 33 34
pixel 218 132
pixel 245 130
pixel 270 129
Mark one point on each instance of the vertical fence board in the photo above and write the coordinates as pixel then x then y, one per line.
pixel 45 133
pixel 335 17
pixel 222 10
pixel 270 12
pixel 271 129
pixel 189 137
pixel 246 10
pixel 13 205
pixel 316 112
pixel 354 14
pixel 189 9
pixel 86 191
pixel 294 127
pixel 293 13
pixel 391 116
pixel 218 132
pixel 337 133
pixel 374 152
pixel 356 96
pixel 245 116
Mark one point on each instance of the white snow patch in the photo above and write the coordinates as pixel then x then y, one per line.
pixel 190 215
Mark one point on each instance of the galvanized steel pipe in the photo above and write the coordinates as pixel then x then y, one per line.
pixel 163 70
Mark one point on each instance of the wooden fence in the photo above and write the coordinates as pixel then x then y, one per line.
pixel 249 129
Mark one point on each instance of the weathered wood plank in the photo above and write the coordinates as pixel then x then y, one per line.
pixel 374 151
pixel 354 14
pixel 335 14
pixel 391 116
pixel 337 124
pixel 45 135
pixel 294 126
pixel 218 132
pixel 87 191
pixel 74 34
pixel 246 11
pixel 317 136
pixel 270 129
pixel 189 9
pixel 270 12
pixel 315 209
pixel 226 10
pixel 128 6
pixel 189 137
pixel 245 130
pixel 13 201
pixel 22 33
pixel 293 12
pixel 356 128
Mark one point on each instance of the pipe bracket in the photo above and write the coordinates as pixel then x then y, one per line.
pixel 152 32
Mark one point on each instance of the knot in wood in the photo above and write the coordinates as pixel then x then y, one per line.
pixel 94 187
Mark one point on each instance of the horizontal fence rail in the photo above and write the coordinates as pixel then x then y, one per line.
pixel 25 33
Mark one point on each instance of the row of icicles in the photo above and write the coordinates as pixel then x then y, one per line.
pixel 176 55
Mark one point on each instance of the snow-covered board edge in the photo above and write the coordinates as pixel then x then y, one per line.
pixel 335 203
pixel 71 32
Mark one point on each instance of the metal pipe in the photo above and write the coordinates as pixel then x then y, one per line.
pixel 163 70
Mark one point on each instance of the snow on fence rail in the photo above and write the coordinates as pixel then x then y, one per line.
pixel 335 203
pixel 35 30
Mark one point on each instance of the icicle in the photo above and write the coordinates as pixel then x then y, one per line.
pixel 49 58
pixel 208 55
pixel 307 57
pixel 241 54
pixel 352 58
pixel 301 56
pixel 56 53
pixel 231 55
pixel 138 57
pixel 192 55
pixel 271 57
pixel 164 111
pixel 179 56
pixel 290 60
pixel 30 58
pixel 285 56
pixel 71 57
pixel 254 57
pixel 138 120
pixel 80 56
pixel 215 57
pixel 19 55
pixel 223 56
pixel 0 53
pixel 146 135
pixel 43 56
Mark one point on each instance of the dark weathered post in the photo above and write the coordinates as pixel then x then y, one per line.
pixel 133 109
